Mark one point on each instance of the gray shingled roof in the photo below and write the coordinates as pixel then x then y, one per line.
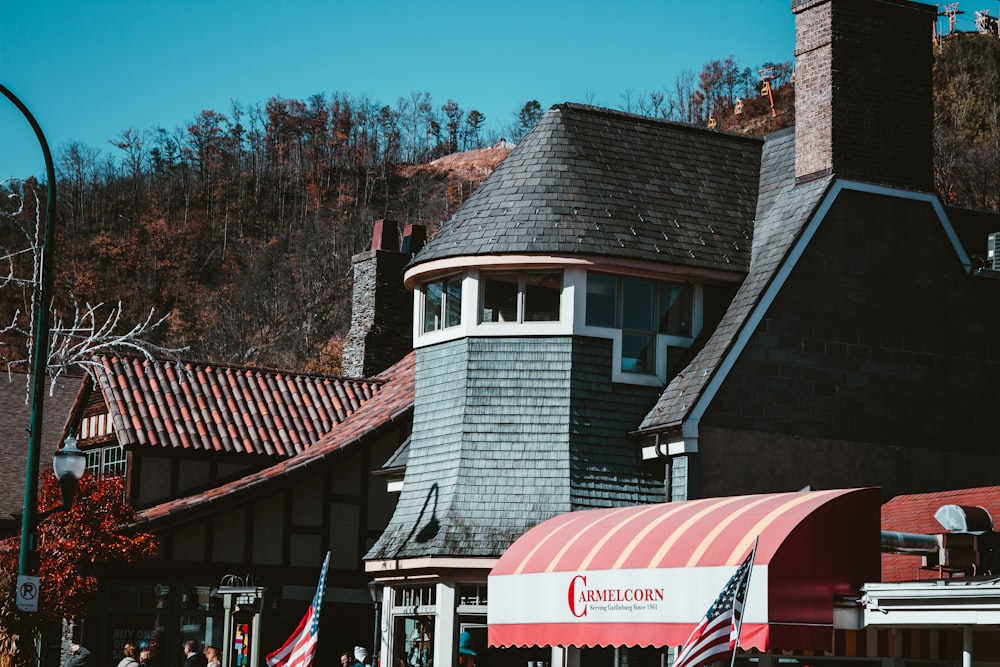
pixel 783 210
pixel 603 183
pixel 15 413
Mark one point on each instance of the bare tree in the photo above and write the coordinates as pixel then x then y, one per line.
pixel 73 341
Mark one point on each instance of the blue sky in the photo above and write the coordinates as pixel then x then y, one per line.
pixel 90 69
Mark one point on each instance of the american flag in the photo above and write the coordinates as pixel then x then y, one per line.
pixel 299 649
pixel 719 631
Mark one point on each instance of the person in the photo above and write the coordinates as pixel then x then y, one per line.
pixel 129 660
pixel 192 656
pixel 346 659
pixel 144 656
pixel 360 656
pixel 212 655
pixel 79 656
pixel 466 650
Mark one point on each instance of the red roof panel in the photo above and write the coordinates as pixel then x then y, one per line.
pixel 914 513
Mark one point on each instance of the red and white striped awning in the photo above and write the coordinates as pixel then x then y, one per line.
pixel 645 575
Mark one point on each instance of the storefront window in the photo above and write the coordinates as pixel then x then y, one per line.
pixel 414 635
pixel 144 631
pixel 157 618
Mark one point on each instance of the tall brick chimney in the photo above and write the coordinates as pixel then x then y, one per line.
pixel 381 307
pixel 863 97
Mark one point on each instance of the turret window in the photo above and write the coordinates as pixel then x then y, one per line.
pixel 643 309
pixel 520 296
pixel 442 304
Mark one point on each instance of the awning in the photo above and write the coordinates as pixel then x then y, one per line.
pixel 645 575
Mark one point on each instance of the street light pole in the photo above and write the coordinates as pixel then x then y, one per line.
pixel 28 557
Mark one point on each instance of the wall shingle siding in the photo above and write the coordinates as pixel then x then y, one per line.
pixel 606 466
pixel 508 432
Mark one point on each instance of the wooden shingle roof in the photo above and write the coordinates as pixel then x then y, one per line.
pixel 597 182
pixel 783 209
pixel 224 408
pixel 391 402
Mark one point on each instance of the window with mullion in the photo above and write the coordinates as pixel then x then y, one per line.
pixel 500 292
pixel 520 296
pixel 638 335
pixel 542 291
pixel 643 309
pixel 442 304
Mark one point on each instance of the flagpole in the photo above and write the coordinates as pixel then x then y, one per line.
pixel 739 625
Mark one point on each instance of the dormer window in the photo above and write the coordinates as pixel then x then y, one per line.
pixel 520 296
pixel 442 304
pixel 106 461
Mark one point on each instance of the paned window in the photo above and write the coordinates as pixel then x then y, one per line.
pixel 642 309
pixel 602 300
pixel 442 307
pixel 106 461
pixel 520 296
pixel 638 335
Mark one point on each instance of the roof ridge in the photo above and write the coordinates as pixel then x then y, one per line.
pixel 649 120
pixel 244 367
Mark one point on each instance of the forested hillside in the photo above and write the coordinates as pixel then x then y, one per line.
pixel 242 224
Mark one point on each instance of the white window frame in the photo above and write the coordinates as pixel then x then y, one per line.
pixel 663 341
pixel 522 276
pixel 110 461
pixel 572 309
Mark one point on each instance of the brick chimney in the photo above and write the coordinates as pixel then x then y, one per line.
pixel 863 97
pixel 381 307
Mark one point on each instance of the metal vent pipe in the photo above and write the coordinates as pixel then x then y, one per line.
pixel 909 543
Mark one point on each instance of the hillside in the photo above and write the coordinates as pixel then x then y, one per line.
pixel 242 225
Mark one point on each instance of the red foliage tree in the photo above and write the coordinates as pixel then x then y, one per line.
pixel 95 531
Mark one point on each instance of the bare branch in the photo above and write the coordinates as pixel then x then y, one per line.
pixel 92 329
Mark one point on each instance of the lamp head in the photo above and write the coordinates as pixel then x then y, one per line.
pixel 68 461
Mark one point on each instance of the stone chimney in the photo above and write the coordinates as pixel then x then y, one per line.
pixel 381 307
pixel 863 97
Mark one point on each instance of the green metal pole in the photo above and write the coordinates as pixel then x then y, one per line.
pixel 28 559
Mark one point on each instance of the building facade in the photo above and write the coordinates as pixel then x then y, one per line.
pixel 629 311
pixel 248 477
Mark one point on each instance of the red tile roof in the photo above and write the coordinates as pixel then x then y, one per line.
pixel 915 514
pixel 224 407
pixel 393 401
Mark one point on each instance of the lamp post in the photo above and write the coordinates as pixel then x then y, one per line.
pixel 27 558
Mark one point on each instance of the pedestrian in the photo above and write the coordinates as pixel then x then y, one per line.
pixel 192 656
pixel 144 656
pixel 360 656
pixel 128 651
pixel 347 659
pixel 212 655
pixel 466 650
pixel 79 656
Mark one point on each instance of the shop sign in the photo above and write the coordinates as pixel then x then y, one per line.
pixel 668 595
